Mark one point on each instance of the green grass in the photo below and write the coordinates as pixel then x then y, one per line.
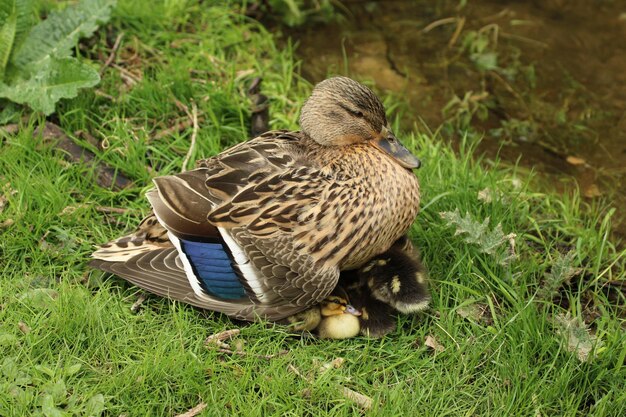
pixel 86 353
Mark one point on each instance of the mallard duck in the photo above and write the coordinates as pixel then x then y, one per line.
pixel 392 282
pixel 263 229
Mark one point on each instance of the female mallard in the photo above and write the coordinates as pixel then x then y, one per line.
pixel 263 229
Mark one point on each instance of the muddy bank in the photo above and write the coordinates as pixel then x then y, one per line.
pixel 542 81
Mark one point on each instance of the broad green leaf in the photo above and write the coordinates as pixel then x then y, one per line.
pixel 95 406
pixel 16 18
pixel 8 26
pixel 56 79
pixel 58 34
pixel 49 409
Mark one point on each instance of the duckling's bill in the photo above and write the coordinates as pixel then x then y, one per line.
pixel 389 144
pixel 352 310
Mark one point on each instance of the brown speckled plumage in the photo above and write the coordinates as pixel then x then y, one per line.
pixel 301 205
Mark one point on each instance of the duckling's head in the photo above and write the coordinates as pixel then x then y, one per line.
pixel 399 281
pixel 341 111
pixel 334 305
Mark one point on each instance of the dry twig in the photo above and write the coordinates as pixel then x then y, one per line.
pixel 142 297
pixel 219 338
pixel 241 353
pixel 109 210
pixel 111 57
pixel 363 401
pixel 194 411
pixel 182 125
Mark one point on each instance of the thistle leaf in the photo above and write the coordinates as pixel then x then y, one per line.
pixel 57 35
pixel 492 242
pixel 577 338
pixel 55 79
pixel 562 271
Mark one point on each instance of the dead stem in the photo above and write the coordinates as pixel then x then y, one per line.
pixel 113 53
pixel 180 126
pixel 440 22
pixel 194 411
pixel 460 23
pixel 110 210
pixel 194 134
pixel 140 299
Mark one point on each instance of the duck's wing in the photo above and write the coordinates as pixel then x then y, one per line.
pixel 235 224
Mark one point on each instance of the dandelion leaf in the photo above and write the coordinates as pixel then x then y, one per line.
pixel 56 36
pixel 56 79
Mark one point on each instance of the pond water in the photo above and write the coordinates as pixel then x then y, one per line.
pixel 543 81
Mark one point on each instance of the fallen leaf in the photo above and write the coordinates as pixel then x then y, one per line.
pixel 592 191
pixel 432 343
pixel 363 401
pixel 576 161
pixel 485 195
pixel 334 364
pixel 7 223
pixel 23 327
pixel 473 312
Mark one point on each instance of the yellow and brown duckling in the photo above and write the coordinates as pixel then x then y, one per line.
pixel 340 320
pixel 263 229
pixel 333 318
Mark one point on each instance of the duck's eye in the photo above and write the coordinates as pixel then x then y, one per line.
pixel 357 113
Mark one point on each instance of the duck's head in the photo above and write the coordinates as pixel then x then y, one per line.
pixel 335 305
pixel 341 111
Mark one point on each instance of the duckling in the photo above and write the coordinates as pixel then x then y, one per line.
pixel 339 320
pixel 304 321
pixel 392 282
pixel 398 278
pixel 377 318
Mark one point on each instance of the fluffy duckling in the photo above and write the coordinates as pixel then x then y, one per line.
pixel 377 318
pixel 394 281
pixel 339 320
pixel 333 318
pixel 398 278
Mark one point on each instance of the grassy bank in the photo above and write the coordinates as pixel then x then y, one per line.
pixel 530 324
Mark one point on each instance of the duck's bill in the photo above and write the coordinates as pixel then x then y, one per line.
pixel 390 145
pixel 351 310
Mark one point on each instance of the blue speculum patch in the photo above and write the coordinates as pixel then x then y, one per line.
pixel 214 269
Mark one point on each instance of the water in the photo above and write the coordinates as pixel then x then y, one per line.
pixel 544 80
